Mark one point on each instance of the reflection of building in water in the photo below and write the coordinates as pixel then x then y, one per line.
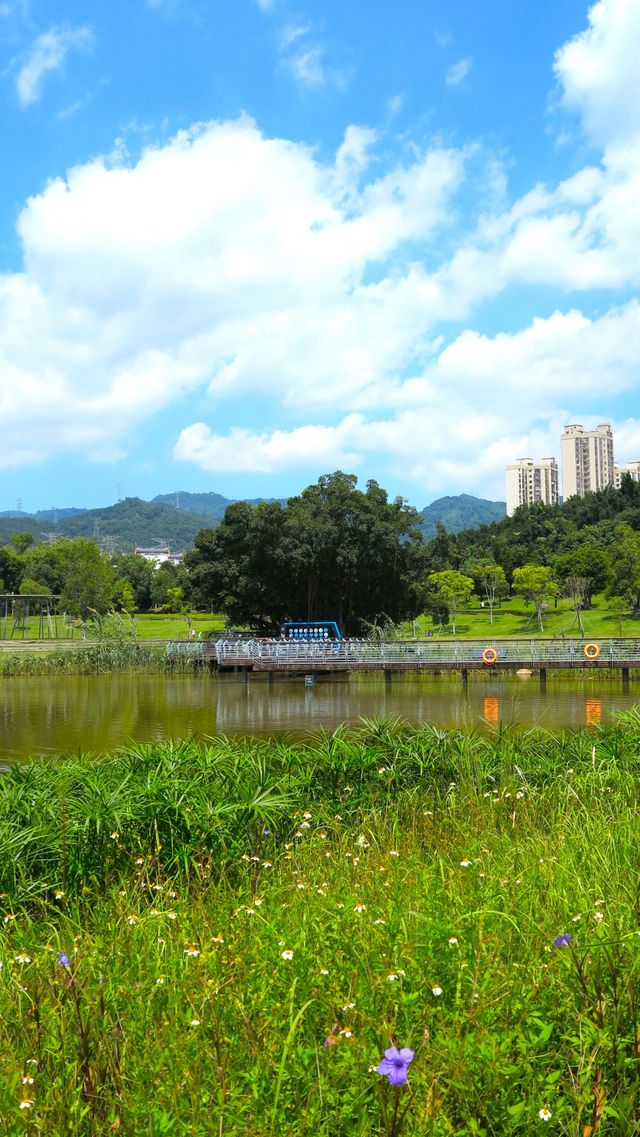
pixel 491 711
pixel 593 711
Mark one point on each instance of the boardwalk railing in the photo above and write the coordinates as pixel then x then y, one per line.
pixel 364 655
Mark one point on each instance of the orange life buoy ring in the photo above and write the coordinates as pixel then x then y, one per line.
pixel 489 655
pixel 591 651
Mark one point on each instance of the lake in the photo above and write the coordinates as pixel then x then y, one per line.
pixel 62 714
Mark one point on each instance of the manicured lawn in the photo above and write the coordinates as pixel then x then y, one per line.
pixel 517 619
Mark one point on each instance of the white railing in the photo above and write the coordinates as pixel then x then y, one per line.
pixel 413 654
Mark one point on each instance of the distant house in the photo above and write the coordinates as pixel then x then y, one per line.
pixel 159 554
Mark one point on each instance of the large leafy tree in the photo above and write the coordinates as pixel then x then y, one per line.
pixel 534 583
pixel 454 589
pixel 333 552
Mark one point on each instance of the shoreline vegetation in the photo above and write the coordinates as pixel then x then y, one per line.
pixel 226 937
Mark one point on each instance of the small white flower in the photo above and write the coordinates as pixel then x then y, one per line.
pixel 171 916
pixel 437 991
pixel 465 864
pixel 598 903
pixel 362 842
pixel 391 978
pixel 195 1022
pixel 378 921
pixel 394 853
pixel 27 1080
pixel 26 1103
pixel 453 939
pixel 576 918
pixel 192 951
pixel 598 916
pixel 360 908
pixel 323 971
pixel 22 958
pixel 132 920
pixel 544 1114
pixel 348 1006
pixel 160 981
pixel 287 954
pixel 307 816
pixel 266 864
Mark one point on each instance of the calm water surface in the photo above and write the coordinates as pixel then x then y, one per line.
pixel 70 713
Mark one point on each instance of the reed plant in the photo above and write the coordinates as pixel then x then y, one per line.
pixel 226 938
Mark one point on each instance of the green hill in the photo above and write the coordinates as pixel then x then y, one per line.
pixel 461 512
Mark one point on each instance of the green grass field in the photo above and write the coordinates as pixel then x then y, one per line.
pixel 225 940
pixel 517 619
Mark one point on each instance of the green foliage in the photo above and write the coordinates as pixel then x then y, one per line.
pixel 462 511
pixel 455 590
pixel 335 552
pixel 409 890
pixel 534 583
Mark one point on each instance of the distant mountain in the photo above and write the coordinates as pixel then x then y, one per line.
pixel 211 505
pixel 56 514
pixel 128 523
pixel 461 512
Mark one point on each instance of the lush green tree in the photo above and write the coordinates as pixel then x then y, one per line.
pixel 334 552
pixel 577 589
pixel 588 563
pixel 22 541
pixel 455 590
pixel 535 584
pixel 11 570
pixel 168 586
pixel 87 577
pixel 138 572
pixel 624 576
pixel 491 583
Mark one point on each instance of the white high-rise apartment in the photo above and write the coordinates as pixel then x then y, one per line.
pixel 632 468
pixel 528 481
pixel 587 459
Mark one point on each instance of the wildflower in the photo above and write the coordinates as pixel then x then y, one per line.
pixel 266 864
pixel 192 951
pixel 307 815
pixel 301 885
pixel 305 824
pixel 139 860
pixel 520 794
pixel 26 1103
pixel 217 939
pixel 63 959
pixel 465 864
pixel 266 832
pixel 160 981
pixel 171 916
pixel 22 958
pixel 323 837
pixel 453 940
pixel 58 894
pixel 8 917
pixel 360 908
pixel 250 911
pixel 132 920
pixel 323 971
pixel 437 991
pixel 379 921
pixel 348 1006
pixel 156 887
pixel 395 1065
pixel 598 915
pixel 347 1032
pixel 114 836
pixel 195 1022
pixel 391 978
pixel 362 842
pixel 287 954
pixel 394 853
pixel 575 919
pixel 544 1114
pixel 27 1080
pixel 562 940
pixel 598 903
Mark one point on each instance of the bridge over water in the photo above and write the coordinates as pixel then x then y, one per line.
pixel 326 656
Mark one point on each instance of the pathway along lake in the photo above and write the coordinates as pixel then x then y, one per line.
pixel 70 713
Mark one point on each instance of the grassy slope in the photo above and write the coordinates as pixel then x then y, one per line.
pixel 397 866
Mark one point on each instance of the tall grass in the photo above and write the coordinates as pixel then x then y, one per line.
pixel 99 659
pixel 244 927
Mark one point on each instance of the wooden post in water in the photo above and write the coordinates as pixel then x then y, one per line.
pixel 387 677
pixel 543 679
pixel 625 678
pixel 464 675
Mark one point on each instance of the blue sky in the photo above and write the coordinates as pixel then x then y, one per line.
pixel 247 242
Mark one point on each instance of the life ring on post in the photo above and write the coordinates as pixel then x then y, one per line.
pixel 591 651
pixel 489 655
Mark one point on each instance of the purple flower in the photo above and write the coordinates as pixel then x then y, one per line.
pixel 266 832
pixel 395 1065
pixel 562 940
pixel 63 959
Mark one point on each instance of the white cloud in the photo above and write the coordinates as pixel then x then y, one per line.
pixel 598 71
pixel 48 54
pixel 249 451
pixel 457 72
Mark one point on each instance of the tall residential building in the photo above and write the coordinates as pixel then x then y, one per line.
pixel 528 481
pixel 587 459
pixel 632 468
